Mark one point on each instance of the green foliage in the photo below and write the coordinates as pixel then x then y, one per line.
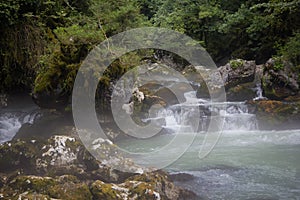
pixel 44 41
pixel 291 50
pixel 59 66
pixel 242 29
pixel 117 16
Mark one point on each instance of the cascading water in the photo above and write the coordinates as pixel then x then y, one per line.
pixel 235 114
pixel 11 122
pixel 19 112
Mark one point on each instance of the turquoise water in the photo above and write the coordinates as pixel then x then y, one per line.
pixel 243 164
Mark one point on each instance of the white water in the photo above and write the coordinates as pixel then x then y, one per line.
pixel 234 114
pixel 21 111
pixel 246 163
pixel 11 122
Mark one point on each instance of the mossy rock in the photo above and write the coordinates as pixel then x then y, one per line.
pixel 101 190
pixel 279 82
pixel 33 196
pixel 143 191
pixel 241 92
pixel 272 114
pixel 18 155
pixel 32 183
pixel 64 187
pixel 70 190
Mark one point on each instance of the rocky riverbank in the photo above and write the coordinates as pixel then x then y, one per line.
pixel 47 160
pixel 61 168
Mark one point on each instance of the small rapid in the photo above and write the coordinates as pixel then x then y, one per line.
pixel 19 112
pixel 235 115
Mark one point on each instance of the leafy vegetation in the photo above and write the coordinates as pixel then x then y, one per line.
pixel 44 41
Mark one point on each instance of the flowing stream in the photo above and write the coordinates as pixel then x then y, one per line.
pixel 246 163
pixel 21 110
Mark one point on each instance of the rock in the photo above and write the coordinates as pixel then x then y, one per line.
pixel 50 123
pixel 159 181
pixel 181 177
pixel 237 72
pixel 279 81
pixel 279 115
pixel 61 168
pixel 36 187
pixel 54 99
pixel 3 100
pixel 241 92
pixel 167 96
pixel 236 76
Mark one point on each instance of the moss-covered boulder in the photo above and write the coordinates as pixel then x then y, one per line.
pixel 61 168
pixel 38 187
pixel 272 114
pixel 279 80
pixel 241 92
pixel 152 186
pixel 18 155
pixel 237 72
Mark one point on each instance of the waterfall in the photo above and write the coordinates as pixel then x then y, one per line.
pixel 257 81
pixel 235 115
pixel 259 92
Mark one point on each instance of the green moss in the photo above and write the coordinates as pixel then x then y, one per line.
pixel 34 196
pixel 236 63
pixel 70 191
pixel 18 154
pixel 278 63
pixel 101 190
pixel 144 191
pixel 33 183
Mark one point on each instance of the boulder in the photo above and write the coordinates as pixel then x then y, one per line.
pixel 276 115
pixel 237 72
pixel 54 99
pixel 279 81
pixel 61 168
pixel 237 77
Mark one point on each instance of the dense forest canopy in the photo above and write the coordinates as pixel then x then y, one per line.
pixel 44 41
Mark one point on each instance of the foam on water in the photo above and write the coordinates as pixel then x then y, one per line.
pixel 11 122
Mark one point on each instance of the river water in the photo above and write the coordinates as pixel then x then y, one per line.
pixel 246 163
pixel 20 110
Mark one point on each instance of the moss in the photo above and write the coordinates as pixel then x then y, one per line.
pixel 34 196
pixel 101 190
pixel 234 64
pixel 278 64
pixel 273 113
pixel 143 191
pixel 21 46
pixel 70 191
pixel 33 183
pixel 18 155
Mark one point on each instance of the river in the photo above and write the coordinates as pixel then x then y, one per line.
pixel 246 163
